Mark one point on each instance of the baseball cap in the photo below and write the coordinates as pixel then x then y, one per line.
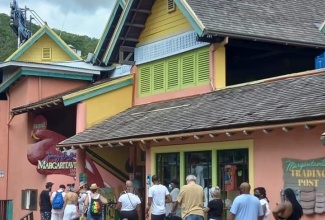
pixel 49 184
pixel 62 186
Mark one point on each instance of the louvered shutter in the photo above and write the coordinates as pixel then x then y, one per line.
pixel 46 53
pixel 188 70
pixel 170 5
pixel 173 74
pixel 158 72
pixel 145 81
pixel 203 70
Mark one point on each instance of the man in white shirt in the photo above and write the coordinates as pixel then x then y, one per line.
pixel 197 171
pixel 57 214
pixel 158 195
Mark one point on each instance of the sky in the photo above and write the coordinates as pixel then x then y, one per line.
pixel 82 17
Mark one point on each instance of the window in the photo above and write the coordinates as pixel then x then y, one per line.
pixel 170 5
pixel 233 168
pixel 46 53
pixel 167 167
pixel 175 73
pixel 200 165
pixel 29 199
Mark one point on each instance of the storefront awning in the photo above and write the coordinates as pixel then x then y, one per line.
pixel 264 105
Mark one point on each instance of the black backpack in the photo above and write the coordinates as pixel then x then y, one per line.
pixel 96 206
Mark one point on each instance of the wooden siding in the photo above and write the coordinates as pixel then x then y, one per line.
pixel 34 53
pixel 162 24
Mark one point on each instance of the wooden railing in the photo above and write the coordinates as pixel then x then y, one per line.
pixel 29 216
pixel 6 209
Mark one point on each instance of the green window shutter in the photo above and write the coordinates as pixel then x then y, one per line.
pixel 203 70
pixel 173 74
pixel 188 70
pixel 145 81
pixel 158 72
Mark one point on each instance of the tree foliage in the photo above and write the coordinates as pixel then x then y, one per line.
pixel 8 39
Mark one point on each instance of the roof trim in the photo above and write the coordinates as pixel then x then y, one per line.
pixel 96 90
pixel 29 72
pixel 122 3
pixel 212 133
pixel 117 31
pixel 53 74
pixel 49 66
pixel 44 30
pixel 106 29
pixel 191 16
pixel 21 110
pixel 10 81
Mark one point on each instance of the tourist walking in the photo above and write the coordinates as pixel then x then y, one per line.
pixel 45 202
pixel 215 205
pixel 129 204
pixel 158 195
pixel 289 209
pixel 57 200
pixel 93 203
pixel 260 193
pixel 246 206
pixel 191 198
pixel 70 208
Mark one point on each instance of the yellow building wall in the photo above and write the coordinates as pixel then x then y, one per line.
pixel 107 105
pixel 219 67
pixel 162 24
pixel 34 53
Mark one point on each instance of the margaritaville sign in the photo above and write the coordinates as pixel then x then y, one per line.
pixel 298 173
pixel 63 161
pixel 43 154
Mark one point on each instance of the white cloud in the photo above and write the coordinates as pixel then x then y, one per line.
pixel 82 17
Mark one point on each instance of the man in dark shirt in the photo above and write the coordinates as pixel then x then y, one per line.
pixel 45 202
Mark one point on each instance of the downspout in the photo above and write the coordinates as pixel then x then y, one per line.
pixel 213 48
pixel 212 71
pixel 8 126
pixel 134 72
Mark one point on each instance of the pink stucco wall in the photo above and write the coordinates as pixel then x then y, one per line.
pixel 298 143
pixel 4 118
pixel 23 175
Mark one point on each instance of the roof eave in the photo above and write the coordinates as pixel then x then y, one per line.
pixel 208 131
pixel 25 109
pixel 263 39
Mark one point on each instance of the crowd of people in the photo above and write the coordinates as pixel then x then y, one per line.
pixel 84 203
pixel 172 203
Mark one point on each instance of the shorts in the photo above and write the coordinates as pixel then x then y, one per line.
pixel 46 215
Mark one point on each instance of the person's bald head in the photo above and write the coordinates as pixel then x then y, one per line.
pixel 244 188
pixel 129 183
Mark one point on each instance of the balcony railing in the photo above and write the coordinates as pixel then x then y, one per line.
pixel 29 216
pixel 6 209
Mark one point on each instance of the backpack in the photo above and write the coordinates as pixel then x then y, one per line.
pixel 95 206
pixel 58 201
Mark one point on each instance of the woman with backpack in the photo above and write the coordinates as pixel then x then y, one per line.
pixel 57 201
pixel 93 204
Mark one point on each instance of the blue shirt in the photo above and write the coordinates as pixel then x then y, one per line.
pixel 246 207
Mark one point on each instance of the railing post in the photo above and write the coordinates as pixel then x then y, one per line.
pixel 10 210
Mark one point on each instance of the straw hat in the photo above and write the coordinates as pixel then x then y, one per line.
pixel 81 184
pixel 93 186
